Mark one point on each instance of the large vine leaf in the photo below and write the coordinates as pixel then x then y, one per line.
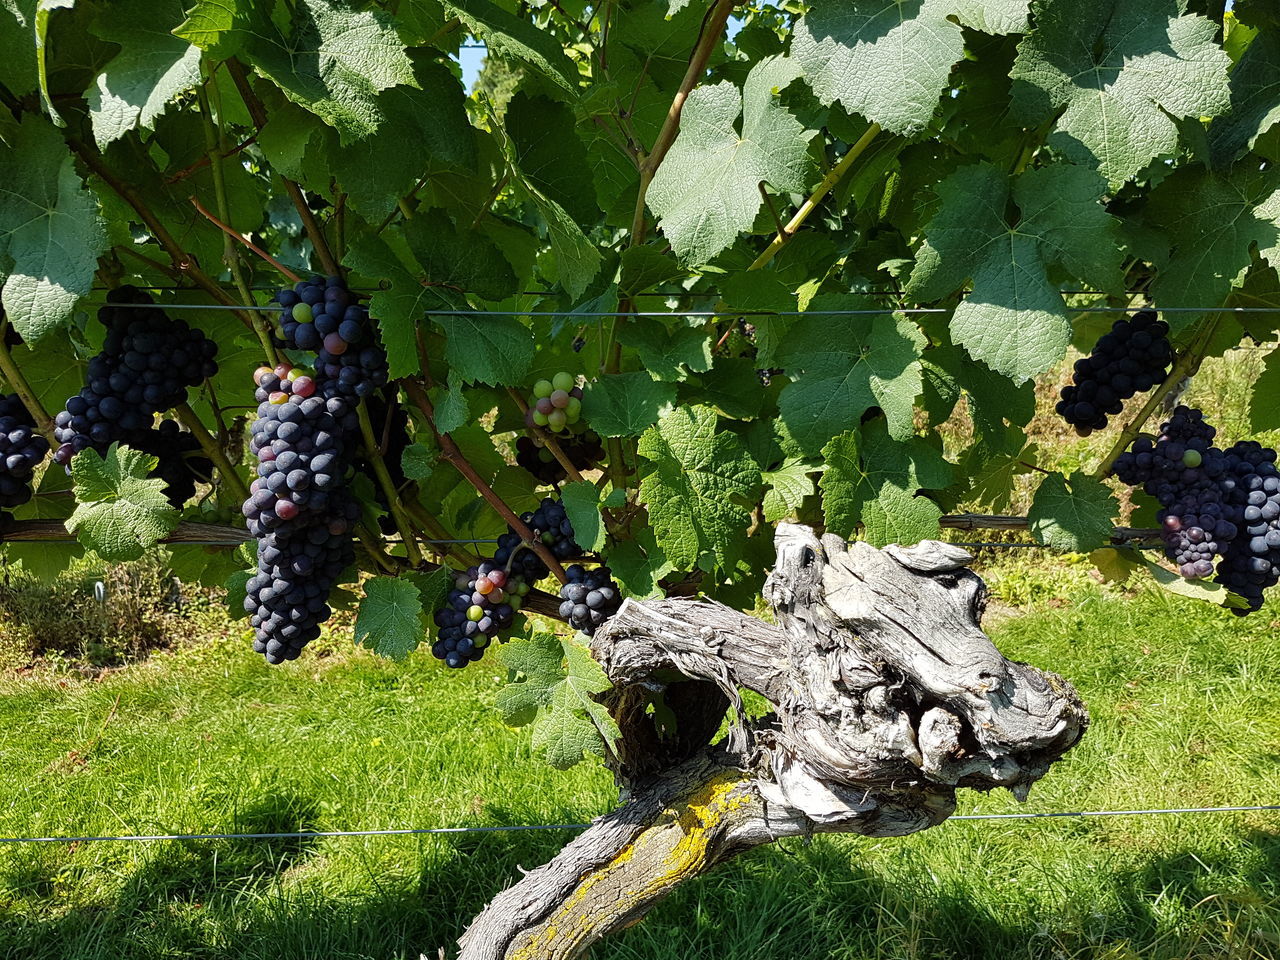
pixel 506 35
pixel 332 58
pixel 119 511
pixel 624 404
pixel 50 231
pixel 842 366
pixel 871 480
pixel 1211 221
pixel 1255 100
pixel 554 689
pixel 1061 224
pixel 550 155
pixel 151 69
pixel 707 190
pixel 1264 412
pixel 1073 513
pixel 888 60
pixel 17 33
pixel 700 489
pixel 1121 72
pixel 389 618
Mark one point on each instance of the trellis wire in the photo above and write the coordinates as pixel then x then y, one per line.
pixel 602 314
pixel 421 831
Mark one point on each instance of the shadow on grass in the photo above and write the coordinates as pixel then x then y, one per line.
pixel 238 899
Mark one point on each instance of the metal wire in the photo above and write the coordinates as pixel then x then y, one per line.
pixel 1040 546
pixel 597 314
pixel 303 834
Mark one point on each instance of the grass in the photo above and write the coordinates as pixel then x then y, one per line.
pixel 1186 712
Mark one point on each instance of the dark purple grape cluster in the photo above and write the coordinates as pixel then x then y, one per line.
pixel 22 448
pixel 179 461
pixel 298 507
pixel 551 525
pixel 1131 359
pixel 148 362
pixel 321 315
pixel 589 598
pixel 584 450
pixel 1213 502
pixel 481 605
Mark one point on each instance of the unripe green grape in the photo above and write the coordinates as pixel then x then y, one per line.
pixel 573 409
pixel 542 388
pixel 475 612
pixel 563 381
pixel 571 418
pixel 302 312
pixel 480 641
pixel 1192 458
pixel 540 418
pixel 556 420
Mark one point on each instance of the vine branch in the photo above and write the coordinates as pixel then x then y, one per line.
pixel 372 451
pixel 237 235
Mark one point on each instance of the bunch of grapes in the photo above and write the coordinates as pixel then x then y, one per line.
pixel 1131 359
pixel 321 315
pixel 1213 502
pixel 1251 489
pixel 147 363
pixel 179 462
pixel 589 598
pixel 551 525
pixel 298 507
pixel 482 604
pixel 557 403
pixel 584 451
pixel 22 448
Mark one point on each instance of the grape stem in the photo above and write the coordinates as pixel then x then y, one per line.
pixel 20 386
pixel 828 183
pixel 373 545
pixel 1187 363
pixel 214 152
pixel 436 529
pixel 547 439
pixel 371 451
pixel 450 452
pixel 184 264
pixel 258 113
pixel 187 417
pixel 241 238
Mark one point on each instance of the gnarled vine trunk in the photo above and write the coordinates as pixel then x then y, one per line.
pixel 886 697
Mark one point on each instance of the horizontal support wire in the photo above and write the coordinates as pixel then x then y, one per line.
pixel 599 314
pixel 303 834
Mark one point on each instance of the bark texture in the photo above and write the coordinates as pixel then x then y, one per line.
pixel 887 697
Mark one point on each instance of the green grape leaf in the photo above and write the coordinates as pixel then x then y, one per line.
pixel 389 618
pixel 788 486
pixel 508 36
pixel 871 362
pixel 554 690
pixel 451 257
pixel 425 130
pixel 644 267
pixel 1074 513
pixel 1121 74
pixel 433 587
pixel 1211 221
pixel 639 564
pixel 577 259
pixel 624 404
pixel 151 69
pixel 700 488
pixel 992 16
pixel 1062 223
pixel 417 461
pixel 888 60
pixel 1264 411
pixel 44 561
pixel 50 231
pixel 494 350
pixel 899 516
pixel 732 386
pixel 1117 565
pixel 1255 101
pixel 581 501
pixel 668 349
pixel 119 511
pixel 707 190
pixel 333 58
pixel 18 70
pixel 550 155
pixel 869 466
pixel 451 408
pixel 1204 590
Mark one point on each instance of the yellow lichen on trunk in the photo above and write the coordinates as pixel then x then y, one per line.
pixel 681 845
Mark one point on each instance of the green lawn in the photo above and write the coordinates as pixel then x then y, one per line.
pixel 1186 711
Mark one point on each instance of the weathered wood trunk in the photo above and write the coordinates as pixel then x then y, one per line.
pixel 887 696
